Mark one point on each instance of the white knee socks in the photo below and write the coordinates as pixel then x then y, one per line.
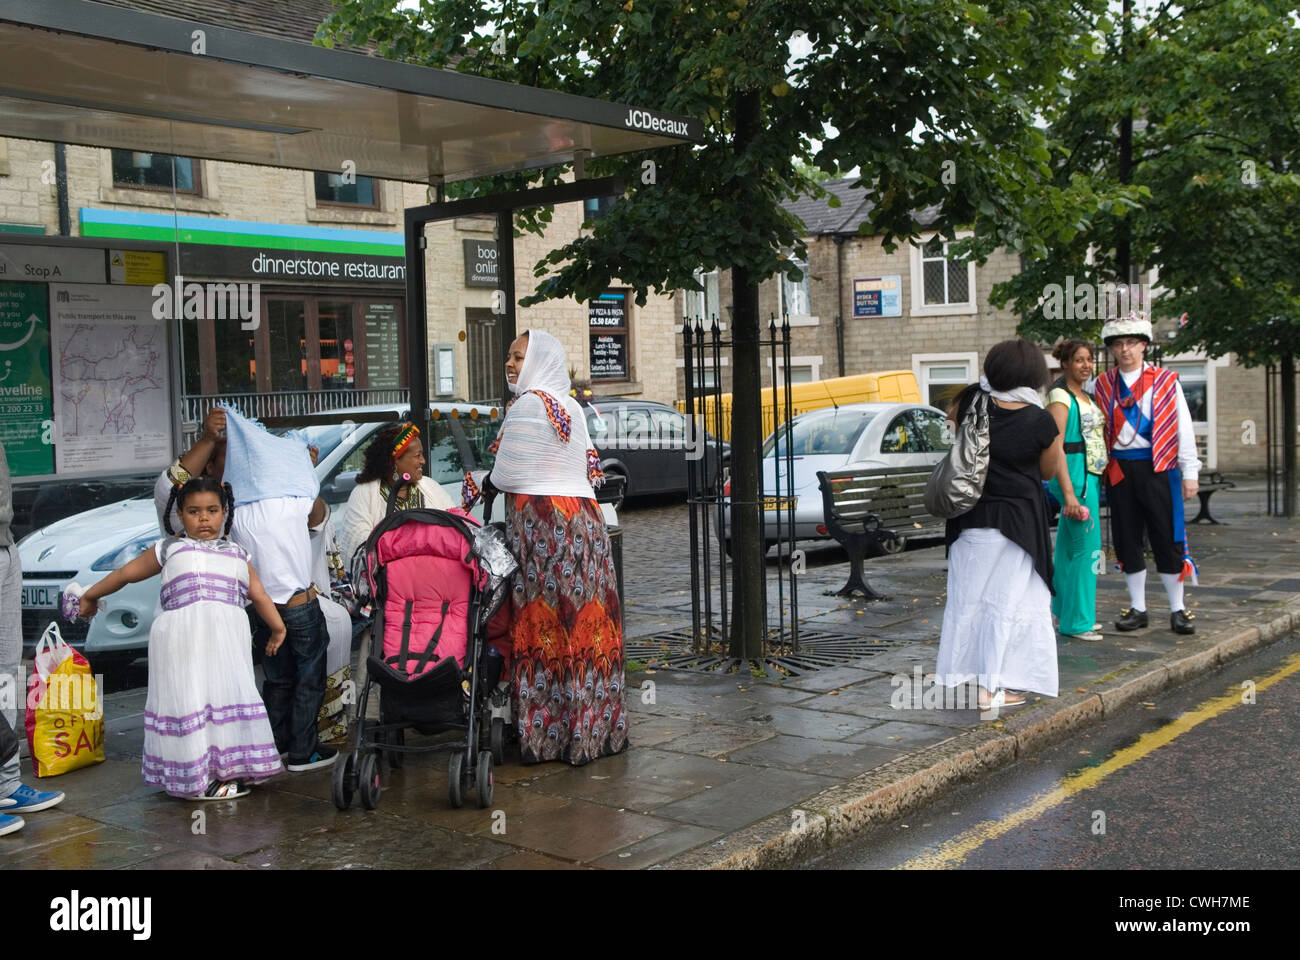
pixel 1137 589
pixel 1173 587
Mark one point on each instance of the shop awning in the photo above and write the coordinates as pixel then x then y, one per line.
pixel 86 73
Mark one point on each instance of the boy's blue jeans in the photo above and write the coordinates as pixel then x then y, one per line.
pixel 294 688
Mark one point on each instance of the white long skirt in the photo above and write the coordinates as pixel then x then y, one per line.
pixel 204 719
pixel 997 625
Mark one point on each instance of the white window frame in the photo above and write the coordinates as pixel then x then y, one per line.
pixel 812 361
pixel 722 362
pixel 796 319
pixel 689 299
pixel 920 361
pixel 1209 427
pixel 919 307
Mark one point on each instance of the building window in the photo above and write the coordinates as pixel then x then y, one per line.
pixel 360 192
pixel 594 208
pixel 802 370
pixel 1195 383
pixel 941 378
pixel 941 284
pixel 795 300
pixel 155 171
pixel 706 378
pixel 944 278
pixel 702 305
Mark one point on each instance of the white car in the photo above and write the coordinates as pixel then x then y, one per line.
pixel 85 547
pixel 867 435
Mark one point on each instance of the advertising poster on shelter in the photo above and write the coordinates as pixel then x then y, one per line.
pixel 25 390
pixel 111 377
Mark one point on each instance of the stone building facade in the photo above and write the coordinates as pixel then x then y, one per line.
pixel 943 325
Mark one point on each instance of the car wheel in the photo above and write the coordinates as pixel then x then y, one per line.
pixel 887 547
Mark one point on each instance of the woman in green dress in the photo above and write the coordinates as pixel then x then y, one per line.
pixel 1078 542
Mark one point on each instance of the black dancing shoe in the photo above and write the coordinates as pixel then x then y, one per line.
pixel 1131 620
pixel 1180 621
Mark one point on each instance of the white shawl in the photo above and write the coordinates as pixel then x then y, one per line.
pixel 533 458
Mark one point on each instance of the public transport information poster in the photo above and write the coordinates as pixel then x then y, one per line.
pixel 25 391
pixel 111 381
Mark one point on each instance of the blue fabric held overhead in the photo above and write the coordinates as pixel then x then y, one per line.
pixel 260 466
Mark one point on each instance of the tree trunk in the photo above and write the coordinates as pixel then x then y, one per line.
pixel 1287 370
pixel 748 614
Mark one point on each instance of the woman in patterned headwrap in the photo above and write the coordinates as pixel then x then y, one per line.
pixel 565 631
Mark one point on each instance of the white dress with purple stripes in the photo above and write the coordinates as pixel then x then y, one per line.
pixel 204 718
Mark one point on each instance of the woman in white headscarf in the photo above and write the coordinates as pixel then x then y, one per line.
pixel 566 634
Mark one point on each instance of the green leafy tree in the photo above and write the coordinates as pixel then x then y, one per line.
pixel 1209 192
pixel 934 101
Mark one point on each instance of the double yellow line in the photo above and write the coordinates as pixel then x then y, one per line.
pixel 955 851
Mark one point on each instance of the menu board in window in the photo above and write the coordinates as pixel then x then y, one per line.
pixel 609 356
pixel 607 318
pixel 383 346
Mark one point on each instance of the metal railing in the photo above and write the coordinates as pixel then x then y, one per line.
pixel 289 403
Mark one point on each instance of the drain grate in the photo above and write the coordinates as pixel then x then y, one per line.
pixel 818 650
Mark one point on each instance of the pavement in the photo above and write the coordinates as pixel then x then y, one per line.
pixel 725 770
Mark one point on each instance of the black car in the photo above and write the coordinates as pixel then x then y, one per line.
pixel 649 444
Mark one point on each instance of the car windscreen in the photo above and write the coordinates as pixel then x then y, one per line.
pixel 822 432
pixel 324 437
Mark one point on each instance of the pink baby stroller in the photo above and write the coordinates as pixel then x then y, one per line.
pixel 434 578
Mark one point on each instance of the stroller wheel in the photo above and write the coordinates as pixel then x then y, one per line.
pixel 343 784
pixel 498 740
pixel 395 758
pixel 484 780
pixel 456 779
pixel 370 780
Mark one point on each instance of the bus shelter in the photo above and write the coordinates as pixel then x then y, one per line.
pixel 74 72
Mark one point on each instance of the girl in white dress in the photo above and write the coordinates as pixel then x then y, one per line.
pixel 206 731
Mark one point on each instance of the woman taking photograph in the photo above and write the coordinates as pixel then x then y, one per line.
pixel 997 625
pixel 395 457
pixel 1078 542
pixel 565 631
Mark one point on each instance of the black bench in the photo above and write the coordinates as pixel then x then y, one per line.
pixel 1207 490
pixel 870 510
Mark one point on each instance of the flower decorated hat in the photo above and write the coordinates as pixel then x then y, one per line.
pixel 1134 325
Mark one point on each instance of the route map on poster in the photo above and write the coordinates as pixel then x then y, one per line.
pixel 110 376
pixel 25 394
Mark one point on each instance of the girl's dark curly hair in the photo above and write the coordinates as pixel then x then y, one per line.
pixel 200 484
pixel 378 462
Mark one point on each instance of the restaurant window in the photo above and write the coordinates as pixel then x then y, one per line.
pixel 607 321
pixel 140 170
pixel 337 357
pixel 346 189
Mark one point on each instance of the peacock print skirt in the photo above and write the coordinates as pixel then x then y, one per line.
pixel 566 631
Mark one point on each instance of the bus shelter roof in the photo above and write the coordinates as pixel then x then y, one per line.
pixel 79 72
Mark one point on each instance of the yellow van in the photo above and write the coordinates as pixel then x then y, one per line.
pixel 887 386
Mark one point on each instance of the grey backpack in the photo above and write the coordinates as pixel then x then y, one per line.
pixel 958 480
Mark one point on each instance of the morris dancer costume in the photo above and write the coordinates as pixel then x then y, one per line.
pixel 1152 451
pixel 566 628
pixel 204 719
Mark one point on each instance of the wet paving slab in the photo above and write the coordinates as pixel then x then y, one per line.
pixel 711 753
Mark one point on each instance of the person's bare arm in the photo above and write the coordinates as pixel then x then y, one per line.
pixel 320 509
pixel 1051 463
pixel 266 610
pixel 141 568
pixel 197 457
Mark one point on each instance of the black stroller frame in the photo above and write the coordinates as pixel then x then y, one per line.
pixel 469 766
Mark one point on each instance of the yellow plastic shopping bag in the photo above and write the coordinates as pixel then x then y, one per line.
pixel 65 718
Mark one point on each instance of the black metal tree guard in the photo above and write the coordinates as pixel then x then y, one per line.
pixel 709 504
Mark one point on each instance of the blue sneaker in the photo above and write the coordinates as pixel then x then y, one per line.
pixel 27 800
pixel 10 824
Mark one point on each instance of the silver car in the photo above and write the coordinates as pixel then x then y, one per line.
pixel 867 435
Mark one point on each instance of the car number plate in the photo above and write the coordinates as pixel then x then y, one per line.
pixel 41 596
pixel 779 503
